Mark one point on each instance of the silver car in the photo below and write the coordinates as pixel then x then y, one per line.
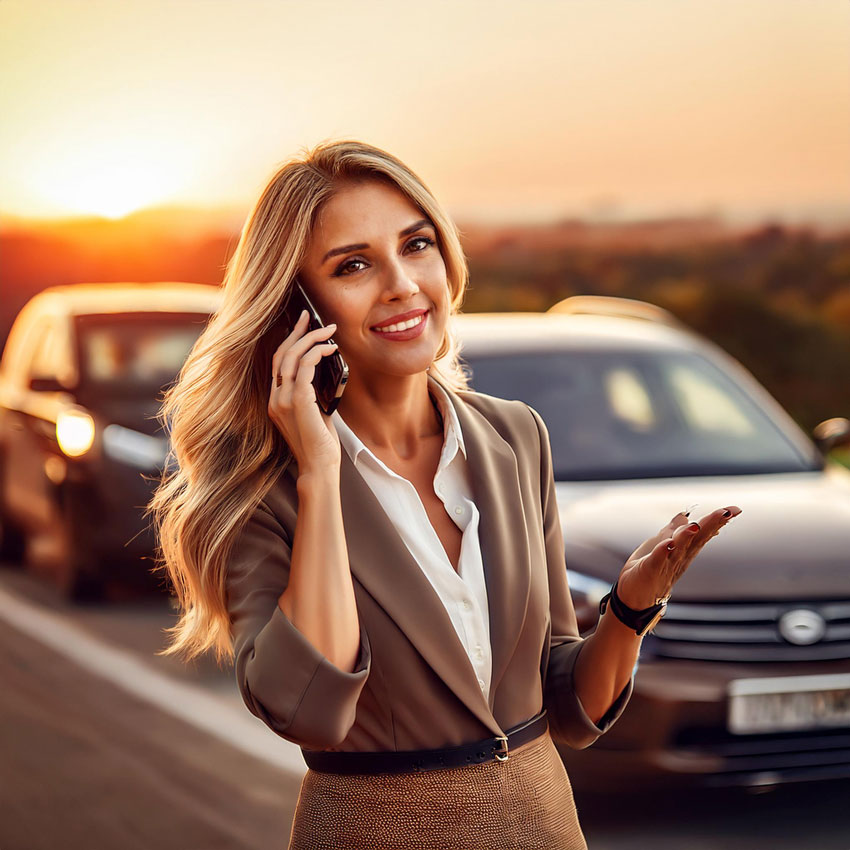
pixel 746 680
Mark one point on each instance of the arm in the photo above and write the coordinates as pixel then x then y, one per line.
pixel 588 681
pixel 319 562
pixel 284 678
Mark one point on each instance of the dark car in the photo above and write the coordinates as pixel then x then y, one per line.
pixel 746 679
pixel 80 446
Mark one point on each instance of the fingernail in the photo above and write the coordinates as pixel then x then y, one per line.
pixel 671 546
pixel 727 512
pixel 693 527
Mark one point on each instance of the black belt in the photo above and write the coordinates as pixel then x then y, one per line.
pixel 416 760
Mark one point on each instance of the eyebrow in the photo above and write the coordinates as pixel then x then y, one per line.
pixel 359 246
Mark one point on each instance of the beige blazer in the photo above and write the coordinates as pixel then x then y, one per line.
pixel 414 686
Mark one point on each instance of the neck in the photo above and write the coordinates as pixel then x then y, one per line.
pixel 393 416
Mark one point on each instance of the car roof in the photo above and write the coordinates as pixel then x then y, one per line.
pixel 162 296
pixel 485 333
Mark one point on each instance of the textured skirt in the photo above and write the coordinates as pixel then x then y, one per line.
pixel 524 803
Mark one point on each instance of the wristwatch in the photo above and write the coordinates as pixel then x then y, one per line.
pixel 641 621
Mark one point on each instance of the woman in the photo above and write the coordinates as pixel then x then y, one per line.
pixel 390 579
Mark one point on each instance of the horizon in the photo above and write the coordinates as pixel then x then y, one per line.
pixel 608 112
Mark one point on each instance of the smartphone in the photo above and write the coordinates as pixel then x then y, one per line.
pixel 332 371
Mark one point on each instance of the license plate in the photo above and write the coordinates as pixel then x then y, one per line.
pixel 787 703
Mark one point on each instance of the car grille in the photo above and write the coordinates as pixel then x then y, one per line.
pixel 746 631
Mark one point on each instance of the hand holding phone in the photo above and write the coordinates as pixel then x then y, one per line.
pixel 332 371
pixel 287 363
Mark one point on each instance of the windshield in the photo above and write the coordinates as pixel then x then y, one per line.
pixel 135 351
pixel 640 414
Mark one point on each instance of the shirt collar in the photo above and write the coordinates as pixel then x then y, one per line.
pixel 452 435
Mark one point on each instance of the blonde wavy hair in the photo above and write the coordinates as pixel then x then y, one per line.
pixel 225 451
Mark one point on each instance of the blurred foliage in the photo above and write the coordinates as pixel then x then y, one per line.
pixel 778 300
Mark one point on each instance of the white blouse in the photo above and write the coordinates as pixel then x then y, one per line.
pixel 462 592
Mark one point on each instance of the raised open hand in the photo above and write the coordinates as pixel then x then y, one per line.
pixel 659 562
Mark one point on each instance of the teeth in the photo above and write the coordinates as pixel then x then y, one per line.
pixel 402 326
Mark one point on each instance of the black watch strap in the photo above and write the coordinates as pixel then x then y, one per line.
pixel 639 620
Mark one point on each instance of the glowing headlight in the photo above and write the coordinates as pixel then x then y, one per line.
pixel 74 432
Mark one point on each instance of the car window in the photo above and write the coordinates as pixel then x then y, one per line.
pixel 135 351
pixel 49 355
pixel 639 414
pixel 706 406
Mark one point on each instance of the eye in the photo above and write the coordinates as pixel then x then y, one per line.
pixel 420 239
pixel 347 267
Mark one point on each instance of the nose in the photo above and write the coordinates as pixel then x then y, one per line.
pixel 399 285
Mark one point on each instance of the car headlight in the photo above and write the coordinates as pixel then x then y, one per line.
pixel 74 432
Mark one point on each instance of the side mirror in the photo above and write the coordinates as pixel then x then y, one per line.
pixel 831 433
pixel 47 385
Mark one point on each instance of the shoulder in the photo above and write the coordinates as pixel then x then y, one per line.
pixel 516 422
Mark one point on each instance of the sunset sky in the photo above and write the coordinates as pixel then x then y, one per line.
pixel 508 110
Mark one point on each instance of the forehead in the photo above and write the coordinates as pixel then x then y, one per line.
pixel 357 211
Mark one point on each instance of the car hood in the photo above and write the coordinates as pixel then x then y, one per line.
pixel 791 540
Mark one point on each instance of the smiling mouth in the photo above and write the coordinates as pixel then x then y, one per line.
pixel 402 326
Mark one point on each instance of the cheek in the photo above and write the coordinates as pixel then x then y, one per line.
pixel 349 309
pixel 434 276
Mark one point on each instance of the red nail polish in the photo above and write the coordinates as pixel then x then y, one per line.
pixel 671 546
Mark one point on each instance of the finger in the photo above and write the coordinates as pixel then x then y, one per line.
pixel 680 520
pixel 712 522
pixel 298 336
pixel 303 390
pixel 301 324
pixel 295 394
pixel 289 357
pixel 686 534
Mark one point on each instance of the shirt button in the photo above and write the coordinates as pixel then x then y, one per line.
pixel 458 510
pixel 478 652
pixel 441 488
pixel 481 682
pixel 466 604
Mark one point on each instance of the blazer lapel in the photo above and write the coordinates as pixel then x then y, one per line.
pixel 504 542
pixel 382 563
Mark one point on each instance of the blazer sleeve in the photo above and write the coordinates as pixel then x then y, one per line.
pixel 284 680
pixel 567 717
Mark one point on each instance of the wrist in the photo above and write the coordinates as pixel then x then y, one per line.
pixel 316 481
pixel 638 599
pixel 640 620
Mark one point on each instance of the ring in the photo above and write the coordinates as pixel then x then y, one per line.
pixel 278 380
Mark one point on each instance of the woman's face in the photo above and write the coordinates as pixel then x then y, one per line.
pixel 373 266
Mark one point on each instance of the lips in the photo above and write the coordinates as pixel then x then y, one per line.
pixel 396 323
pixel 402 327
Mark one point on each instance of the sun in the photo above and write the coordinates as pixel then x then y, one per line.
pixel 110 181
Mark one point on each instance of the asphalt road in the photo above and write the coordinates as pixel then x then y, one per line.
pixel 87 765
